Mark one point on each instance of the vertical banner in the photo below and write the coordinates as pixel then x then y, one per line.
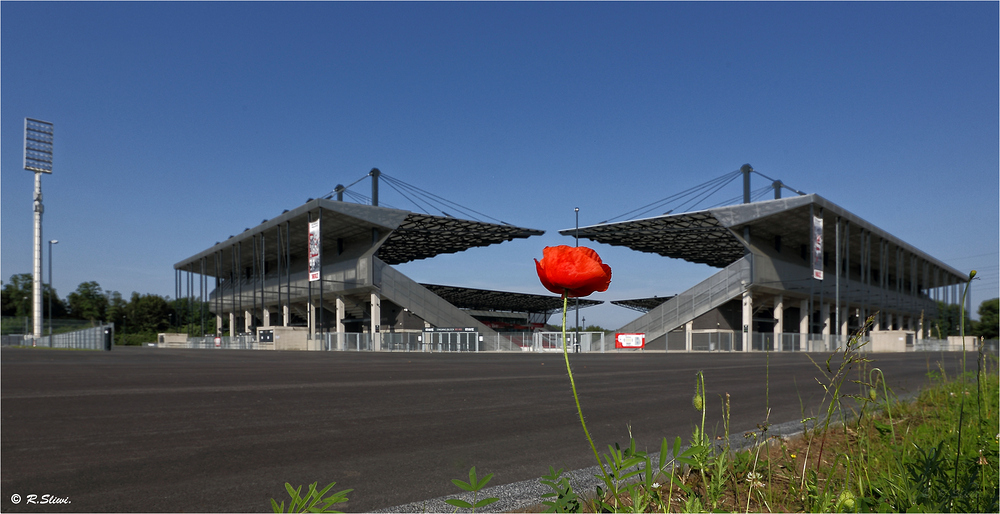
pixel 314 251
pixel 817 248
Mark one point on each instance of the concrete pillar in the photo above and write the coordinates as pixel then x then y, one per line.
pixel 267 316
pixel 827 321
pixel 688 327
pixel 844 314
pixel 877 323
pixel 218 325
pixel 247 319
pixel 340 322
pixel 779 321
pixel 232 324
pixel 341 308
pixel 376 331
pixel 747 319
pixel 889 321
pixel 311 314
pixel 286 315
pixel 920 329
pixel 804 321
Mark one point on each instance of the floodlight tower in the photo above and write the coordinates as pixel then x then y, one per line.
pixel 38 138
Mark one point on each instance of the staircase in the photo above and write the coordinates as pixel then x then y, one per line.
pixel 714 291
pixel 407 293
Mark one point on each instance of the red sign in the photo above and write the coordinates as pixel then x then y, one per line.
pixel 630 340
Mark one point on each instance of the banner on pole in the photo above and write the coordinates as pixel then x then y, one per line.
pixel 314 270
pixel 817 248
pixel 630 340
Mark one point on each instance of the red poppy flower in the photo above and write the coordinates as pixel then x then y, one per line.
pixel 572 270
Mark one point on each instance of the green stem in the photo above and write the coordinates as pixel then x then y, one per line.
pixel 572 384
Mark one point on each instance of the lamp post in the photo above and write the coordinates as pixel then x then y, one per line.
pixel 51 290
pixel 576 341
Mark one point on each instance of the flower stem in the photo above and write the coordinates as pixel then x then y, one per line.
pixel 572 384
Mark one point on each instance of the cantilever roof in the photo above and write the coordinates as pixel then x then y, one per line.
pixel 642 304
pixel 412 235
pixel 484 299
pixel 713 236
pixel 420 236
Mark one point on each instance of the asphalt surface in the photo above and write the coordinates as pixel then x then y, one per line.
pixel 157 430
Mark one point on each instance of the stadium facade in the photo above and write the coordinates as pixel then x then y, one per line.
pixel 798 273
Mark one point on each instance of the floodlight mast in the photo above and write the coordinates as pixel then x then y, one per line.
pixel 38 138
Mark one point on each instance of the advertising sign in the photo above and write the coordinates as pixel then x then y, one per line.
pixel 449 329
pixel 314 251
pixel 630 340
pixel 817 248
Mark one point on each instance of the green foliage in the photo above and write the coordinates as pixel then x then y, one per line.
pixel 16 300
pixel 563 497
pixel 88 302
pixel 473 486
pixel 988 326
pixel 949 320
pixel 16 296
pixel 310 502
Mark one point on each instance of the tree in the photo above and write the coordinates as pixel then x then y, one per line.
pixel 147 313
pixel 88 302
pixel 988 326
pixel 948 321
pixel 16 296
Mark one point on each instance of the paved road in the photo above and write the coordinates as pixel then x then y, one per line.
pixel 154 430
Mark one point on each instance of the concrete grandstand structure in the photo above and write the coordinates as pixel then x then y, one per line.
pixel 327 267
pixel 795 274
pixel 776 269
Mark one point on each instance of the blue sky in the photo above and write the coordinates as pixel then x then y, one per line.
pixel 179 124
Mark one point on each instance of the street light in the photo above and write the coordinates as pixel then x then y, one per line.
pixel 576 341
pixel 51 290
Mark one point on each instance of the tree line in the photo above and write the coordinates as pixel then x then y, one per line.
pixel 136 320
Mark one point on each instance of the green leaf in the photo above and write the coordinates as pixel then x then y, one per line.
pixel 485 481
pixel 459 503
pixel 278 509
pixel 462 485
pixel 484 502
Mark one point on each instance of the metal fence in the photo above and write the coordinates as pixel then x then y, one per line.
pixel 100 337
pixel 588 342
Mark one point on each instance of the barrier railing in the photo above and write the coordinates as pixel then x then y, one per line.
pixel 100 337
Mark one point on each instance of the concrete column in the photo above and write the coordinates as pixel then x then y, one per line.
pixel 232 324
pixel 688 327
pixel 827 321
pixel 920 329
pixel 267 316
pixel 286 315
pixel 247 318
pixel 877 324
pixel 376 331
pixel 340 322
pixel 779 321
pixel 311 313
pixel 747 319
pixel 218 325
pixel 341 308
pixel 889 321
pixel 804 324
pixel 844 314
